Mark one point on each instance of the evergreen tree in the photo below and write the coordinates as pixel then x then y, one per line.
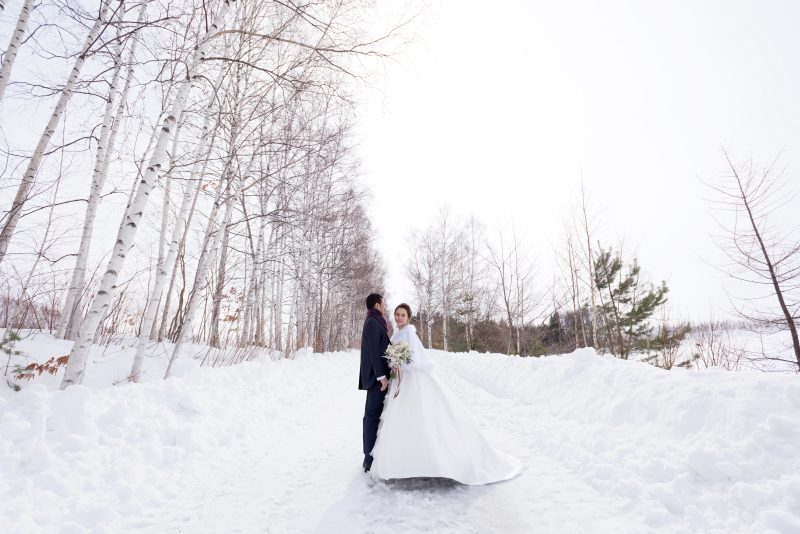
pixel 627 302
pixel 664 349
pixel 7 347
pixel 553 331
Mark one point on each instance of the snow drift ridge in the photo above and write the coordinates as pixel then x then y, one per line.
pixel 706 450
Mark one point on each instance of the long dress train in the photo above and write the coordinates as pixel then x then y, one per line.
pixel 425 432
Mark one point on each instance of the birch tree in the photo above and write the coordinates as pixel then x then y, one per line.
pixel 586 222
pixel 421 266
pixel 71 313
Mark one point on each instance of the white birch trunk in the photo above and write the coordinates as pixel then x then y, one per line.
pixel 262 300
pixel 44 141
pixel 429 323
pixel 251 292
pixel 592 287
pixel 274 274
pixel 165 205
pixel 77 360
pixel 204 266
pixel 161 277
pixel 444 327
pixel 160 266
pixel 71 312
pixel 216 301
pixel 182 245
pixel 131 197
pixel 14 43
pixel 244 317
pixel 200 278
pixel 290 324
pixel 278 302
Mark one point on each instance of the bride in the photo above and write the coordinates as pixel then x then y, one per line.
pixel 425 432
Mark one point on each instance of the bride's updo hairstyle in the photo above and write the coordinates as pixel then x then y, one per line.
pixel 407 308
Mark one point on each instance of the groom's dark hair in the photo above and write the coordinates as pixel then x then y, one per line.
pixel 373 299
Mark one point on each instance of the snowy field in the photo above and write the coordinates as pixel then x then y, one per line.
pixel 608 446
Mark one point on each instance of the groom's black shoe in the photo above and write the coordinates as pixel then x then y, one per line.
pixel 367 467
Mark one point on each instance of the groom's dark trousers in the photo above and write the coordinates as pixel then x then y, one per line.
pixel 374 340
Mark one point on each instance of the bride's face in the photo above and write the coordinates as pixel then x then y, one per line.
pixel 401 317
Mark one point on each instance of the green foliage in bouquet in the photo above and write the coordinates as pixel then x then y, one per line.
pixel 398 353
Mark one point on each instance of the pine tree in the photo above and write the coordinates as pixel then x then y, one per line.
pixel 7 348
pixel 664 349
pixel 627 302
pixel 553 336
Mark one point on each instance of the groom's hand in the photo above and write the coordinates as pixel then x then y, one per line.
pixel 384 384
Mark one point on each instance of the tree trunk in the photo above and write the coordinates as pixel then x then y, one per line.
pixel 262 298
pixel 14 43
pixel 278 301
pixel 203 267
pixel 250 297
pixel 71 313
pixel 70 323
pixel 773 277
pixel 200 278
pixel 198 179
pixel 161 265
pixel 123 221
pixel 615 307
pixel 220 288
pixel 590 259
pixel 444 325
pixel 158 285
pixel 429 322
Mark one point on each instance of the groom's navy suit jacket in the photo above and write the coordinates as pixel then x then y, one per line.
pixel 374 340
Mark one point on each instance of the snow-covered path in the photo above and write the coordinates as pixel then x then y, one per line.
pixel 608 446
pixel 305 477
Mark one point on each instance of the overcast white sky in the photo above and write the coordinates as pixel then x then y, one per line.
pixel 513 100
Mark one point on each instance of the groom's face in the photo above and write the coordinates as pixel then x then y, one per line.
pixel 381 307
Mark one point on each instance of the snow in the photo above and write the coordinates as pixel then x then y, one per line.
pixel 274 446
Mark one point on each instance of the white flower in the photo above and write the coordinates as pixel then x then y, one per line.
pixel 398 353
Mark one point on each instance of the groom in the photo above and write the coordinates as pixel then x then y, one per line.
pixel 374 371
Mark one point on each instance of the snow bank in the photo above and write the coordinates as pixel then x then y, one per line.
pixel 111 364
pixel 702 449
pixel 78 461
pixel 681 451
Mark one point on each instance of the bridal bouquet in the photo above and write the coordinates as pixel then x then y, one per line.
pixel 398 353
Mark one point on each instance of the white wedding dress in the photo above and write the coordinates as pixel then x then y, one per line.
pixel 426 432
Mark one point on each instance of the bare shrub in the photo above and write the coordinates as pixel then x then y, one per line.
pixel 715 345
